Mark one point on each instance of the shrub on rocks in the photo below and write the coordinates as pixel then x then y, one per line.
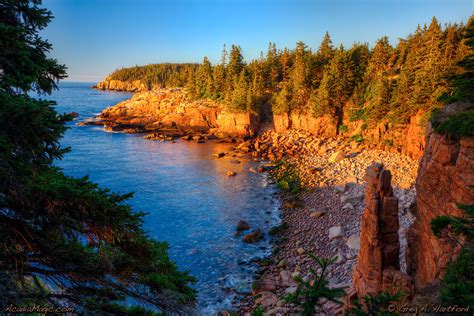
pixel 309 293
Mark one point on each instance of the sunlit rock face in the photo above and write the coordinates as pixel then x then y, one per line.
pixel 445 177
pixel 378 266
pixel 117 85
pixel 162 109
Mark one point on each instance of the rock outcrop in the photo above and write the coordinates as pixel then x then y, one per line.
pixel 445 179
pixel 407 139
pixel 118 85
pixel 378 266
pixel 321 126
pixel 172 111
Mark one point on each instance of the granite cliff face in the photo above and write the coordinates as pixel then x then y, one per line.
pixel 171 111
pixel 117 85
pixel 408 139
pixel 445 179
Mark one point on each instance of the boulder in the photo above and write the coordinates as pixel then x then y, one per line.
pixel 336 157
pixel 242 225
pixel 286 280
pixel 292 204
pixel 353 199
pixel 283 263
pixel 231 173
pixel 219 155
pixel 317 214
pixel 265 284
pixel 348 206
pixel 266 300
pixel 336 232
pixel 253 237
pixel 353 242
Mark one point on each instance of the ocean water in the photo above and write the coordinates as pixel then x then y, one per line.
pixel 191 202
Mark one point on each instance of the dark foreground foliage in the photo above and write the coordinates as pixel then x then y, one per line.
pixel 64 240
pixel 457 286
pixel 309 293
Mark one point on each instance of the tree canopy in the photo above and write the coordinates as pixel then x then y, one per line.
pixel 370 84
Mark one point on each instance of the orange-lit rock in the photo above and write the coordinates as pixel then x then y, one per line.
pixel 379 243
pixel 117 85
pixel 172 109
pixel 445 175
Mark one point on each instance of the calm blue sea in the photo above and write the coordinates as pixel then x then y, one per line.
pixel 191 202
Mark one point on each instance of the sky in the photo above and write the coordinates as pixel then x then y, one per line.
pixel 95 37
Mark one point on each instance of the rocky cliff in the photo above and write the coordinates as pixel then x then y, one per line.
pixel 171 111
pixel 445 179
pixel 117 85
pixel 407 139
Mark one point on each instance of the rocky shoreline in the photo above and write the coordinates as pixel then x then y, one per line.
pixel 324 217
pixel 170 113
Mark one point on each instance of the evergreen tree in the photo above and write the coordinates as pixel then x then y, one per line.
pixel 239 101
pixel 219 76
pixel 204 83
pixel 236 62
pixel 272 67
pixel 325 52
pixel 64 240
pixel 336 87
pixel 386 82
pixel 464 81
pixel 281 100
pixel 299 80
pixel 376 83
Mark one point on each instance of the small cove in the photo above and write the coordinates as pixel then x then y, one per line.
pixel 190 201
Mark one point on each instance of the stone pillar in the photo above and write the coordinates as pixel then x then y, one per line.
pixel 379 242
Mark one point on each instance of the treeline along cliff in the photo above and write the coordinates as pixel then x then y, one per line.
pixel 380 94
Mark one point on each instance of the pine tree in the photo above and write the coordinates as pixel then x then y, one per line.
pixel 464 81
pixel 299 80
pixel 325 52
pixel 272 67
pixel 203 80
pixel 336 87
pixel 281 101
pixel 376 82
pixel 239 101
pixel 64 240
pixel 319 61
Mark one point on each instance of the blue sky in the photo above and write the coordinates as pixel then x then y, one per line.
pixel 95 37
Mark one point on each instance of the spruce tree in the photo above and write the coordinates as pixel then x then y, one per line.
pixel 299 78
pixel 64 240
pixel 272 67
pixel 239 101
pixel 336 87
pixel 376 82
